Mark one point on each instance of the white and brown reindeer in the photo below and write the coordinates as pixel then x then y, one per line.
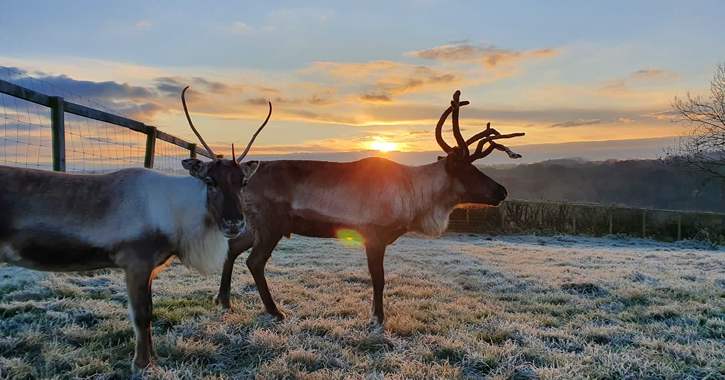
pixel 378 199
pixel 133 219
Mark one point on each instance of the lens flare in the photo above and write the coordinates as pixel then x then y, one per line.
pixel 349 238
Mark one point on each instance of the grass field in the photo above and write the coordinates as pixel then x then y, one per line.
pixel 458 307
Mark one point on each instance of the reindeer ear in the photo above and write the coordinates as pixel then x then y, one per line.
pixel 450 163
pixel 249 168
pixel 195 167
pixel 441 157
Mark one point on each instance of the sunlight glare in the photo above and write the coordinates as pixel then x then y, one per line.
pixel 383 146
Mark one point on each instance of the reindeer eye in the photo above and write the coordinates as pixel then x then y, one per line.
pixel 244 182
pixel 209 182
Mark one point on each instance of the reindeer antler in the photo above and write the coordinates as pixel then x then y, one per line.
pixel 211 153
pixel 439 126
pixel 240 158
pixel 480 153
pixel 456 104
pixel 191 124
pixel 486 136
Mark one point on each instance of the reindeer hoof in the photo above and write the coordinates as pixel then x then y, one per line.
pixel 223 301
pixel 140 370
pixel 278 315
pixel 376 325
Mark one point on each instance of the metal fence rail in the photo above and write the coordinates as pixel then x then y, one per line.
pixel 136 143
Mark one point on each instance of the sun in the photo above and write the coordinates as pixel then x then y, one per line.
pixel 383 146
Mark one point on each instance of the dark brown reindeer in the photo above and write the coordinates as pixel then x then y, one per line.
pixel 133 219
pixel 378 199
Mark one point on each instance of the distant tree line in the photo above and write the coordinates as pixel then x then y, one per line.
pixel 632 183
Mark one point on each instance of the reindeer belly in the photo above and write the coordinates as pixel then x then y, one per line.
pixel 314 228
pixel 53 251
pixel 365 233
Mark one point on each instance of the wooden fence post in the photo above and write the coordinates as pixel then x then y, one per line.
pixel 57 126
pixel 468 219
pixel 573 219
pixel 644 223
pixel 503 220
pixel 192 150
pixel 148 161
pixel 540 217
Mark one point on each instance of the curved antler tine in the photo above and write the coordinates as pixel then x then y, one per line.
pixel 480 153
pixel 186 111
pixel 234 155
pixel 439 138
pixel 246 150
pixel 455 104
pixel 488 132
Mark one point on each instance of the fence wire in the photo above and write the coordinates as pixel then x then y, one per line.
pixel 26 134
pixel 91 146
pixel 168 157
pixel 96 147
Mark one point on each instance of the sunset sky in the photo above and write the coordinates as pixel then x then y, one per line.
pixel 343 75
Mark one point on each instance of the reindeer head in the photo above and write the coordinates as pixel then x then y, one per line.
pixel 225 181
pixel 471 184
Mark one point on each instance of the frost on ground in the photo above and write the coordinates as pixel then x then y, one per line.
pixel 460 306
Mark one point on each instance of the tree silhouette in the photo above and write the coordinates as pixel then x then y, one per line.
pixel 702 148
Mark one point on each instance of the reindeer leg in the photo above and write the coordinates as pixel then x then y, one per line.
pixel 138 283
pixel 256 262
pixel 236 247
pixel 375 256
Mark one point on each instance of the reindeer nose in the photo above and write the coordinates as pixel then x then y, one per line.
pixel 233 223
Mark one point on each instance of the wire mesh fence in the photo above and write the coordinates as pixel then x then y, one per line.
pixel 168 157
pixel 97 147
pixel 91 146
pixel 26 133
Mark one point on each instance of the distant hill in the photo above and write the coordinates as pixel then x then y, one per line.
pixel 634 183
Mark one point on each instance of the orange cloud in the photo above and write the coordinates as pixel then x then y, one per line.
pixel 489 56
pixel 663 115
pixel 267 90
pixel 576 123
pixel 654 74
pixel 645 75
pixel 353 70
pixel 318 99
pixel 382 81
pixel 375 98
pixel 545 53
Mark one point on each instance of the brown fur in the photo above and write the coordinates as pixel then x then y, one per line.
pixel 378 198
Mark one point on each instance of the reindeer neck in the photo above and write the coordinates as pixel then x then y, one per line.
pixel 434 199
